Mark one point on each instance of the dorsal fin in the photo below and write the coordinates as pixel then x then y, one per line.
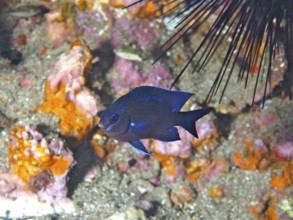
pixel 176 99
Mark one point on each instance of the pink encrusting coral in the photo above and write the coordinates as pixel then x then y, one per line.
pixel 284 148
pixel 16 201
pixel 205 127
pixel 69 71
pixel 87 102
pixel 58 28
pixel 181 148
pixel 208 135
pixel 67 96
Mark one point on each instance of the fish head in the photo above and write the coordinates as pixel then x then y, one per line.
pixel 114 123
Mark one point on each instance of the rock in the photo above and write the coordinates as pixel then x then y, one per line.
pixel 131 213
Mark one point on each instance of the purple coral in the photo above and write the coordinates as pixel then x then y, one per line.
pixel 128 75
pixel 158 76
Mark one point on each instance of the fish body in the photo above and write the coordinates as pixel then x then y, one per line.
pixel 26 11
pixel 149 112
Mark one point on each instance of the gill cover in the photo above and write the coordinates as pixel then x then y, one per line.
pixel 114 123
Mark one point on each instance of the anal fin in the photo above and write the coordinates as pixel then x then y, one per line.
pixel 137 145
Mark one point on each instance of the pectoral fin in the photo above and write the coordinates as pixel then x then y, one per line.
pixel 137 145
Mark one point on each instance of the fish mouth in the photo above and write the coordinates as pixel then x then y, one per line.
pixel 102 126
pixel 105 126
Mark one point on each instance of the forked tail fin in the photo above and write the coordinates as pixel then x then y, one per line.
pixel 187 119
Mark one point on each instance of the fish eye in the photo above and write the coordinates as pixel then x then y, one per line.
pixel 113 118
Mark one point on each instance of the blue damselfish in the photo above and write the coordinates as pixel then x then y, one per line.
pixel 149 112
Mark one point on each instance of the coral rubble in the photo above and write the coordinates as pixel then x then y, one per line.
pixel 36 184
